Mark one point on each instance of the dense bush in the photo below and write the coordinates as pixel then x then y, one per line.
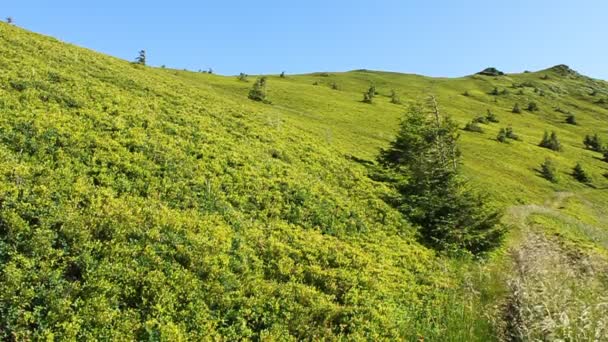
pixel 422 165
pixel 242 77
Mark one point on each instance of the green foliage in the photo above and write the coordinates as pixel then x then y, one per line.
pixel 551 141
pixel 282 74
pixel 167 206
pixel 258 91
pixel 242 77
pixel 141 57
pixel 580 174
pixel 473 126
pixel 504 134
pixel 423 165
pixel 394 97
pixel 334 86
pixel 466 93
pixel 532 107
pixel 549 171
pixel 516 109
pixel 491 117
pixel 511 134
pixel 480 119
pixel 593 142
pixel 571 119
pixel 9 20
pixel 368 97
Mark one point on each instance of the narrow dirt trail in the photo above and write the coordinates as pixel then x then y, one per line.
pixel 555 293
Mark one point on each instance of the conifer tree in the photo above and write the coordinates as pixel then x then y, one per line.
pixel 550 141
pixel 516 109
pixel 548 170
pixel 258 91
pixel 242 77
pixel 580 174
pixel 491 117
pixel 141 58
pixel 422 164
pixel 593 142
pixel 9 20
pixel 571 119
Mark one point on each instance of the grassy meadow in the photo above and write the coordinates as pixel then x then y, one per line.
pixel 143 203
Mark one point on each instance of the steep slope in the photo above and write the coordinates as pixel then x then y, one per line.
pixel 143 203
pixel 139 204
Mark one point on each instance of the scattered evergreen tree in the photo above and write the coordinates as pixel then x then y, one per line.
pixel 258 91
pixel 422 164
pixel 550 141
pixel 571 119
pixel 368 97
pixel 491 117
pixel 141 58
pixel 502 136
pixel 9 20
pixel 334 86
pixel 532 107
pixel 549 171
pixel 394 97
pixel 282 74
pixel 593 143
pixel 480 119
pixel 315 83
pixel 242 77
pixel 511 134
pixel 580 174
pixel 473 126
pixel 210 71
pixel 516 109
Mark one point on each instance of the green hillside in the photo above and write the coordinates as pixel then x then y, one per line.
pixel 141 203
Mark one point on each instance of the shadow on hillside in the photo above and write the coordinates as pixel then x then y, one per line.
pixel 361 161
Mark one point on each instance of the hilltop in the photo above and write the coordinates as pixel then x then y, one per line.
pixel 152 203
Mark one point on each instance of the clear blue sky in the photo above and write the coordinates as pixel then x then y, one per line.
pixel 433 37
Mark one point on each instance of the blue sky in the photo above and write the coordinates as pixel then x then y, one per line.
pixel 433 37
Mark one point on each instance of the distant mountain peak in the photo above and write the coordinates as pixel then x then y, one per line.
pixel 563 70
pixel 491 71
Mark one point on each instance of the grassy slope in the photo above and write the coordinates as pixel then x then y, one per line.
pixel 141 202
